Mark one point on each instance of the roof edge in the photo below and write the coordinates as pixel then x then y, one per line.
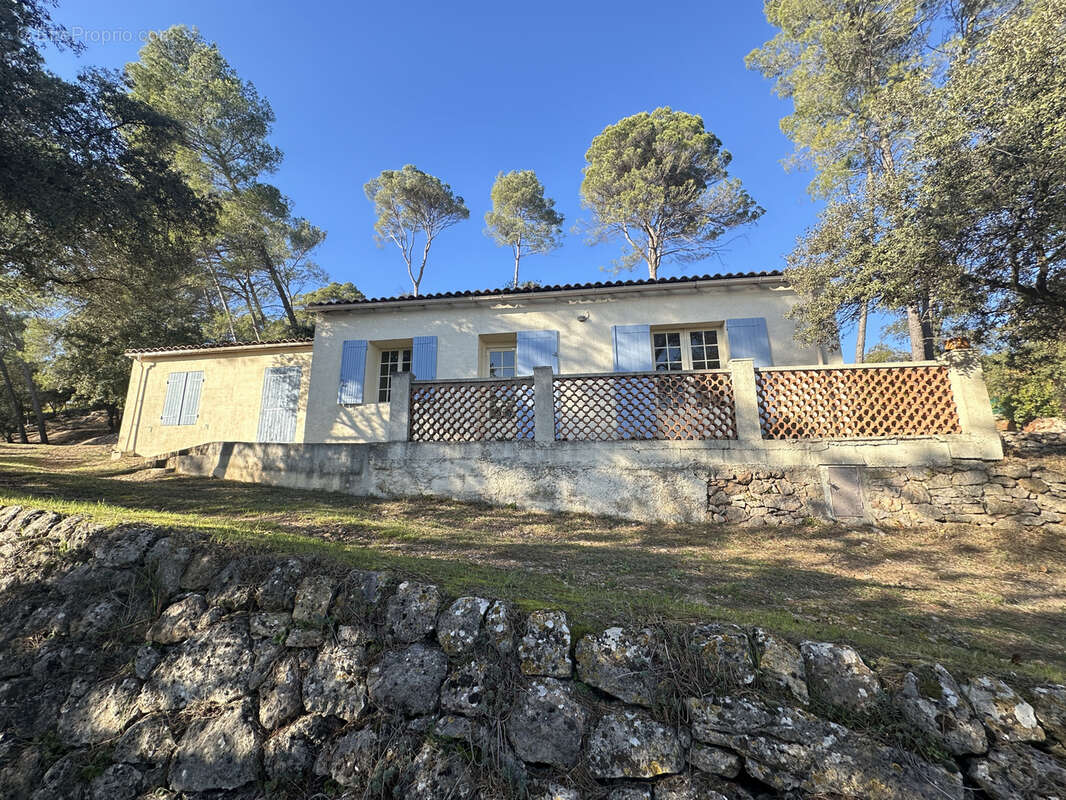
pixel 197 349
pixel 605 287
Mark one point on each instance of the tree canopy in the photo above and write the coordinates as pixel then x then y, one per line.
pixel 659 180
pixel 83 173
pixel 522 217
pixel 260 253
pixel 935 132
pixel 409 202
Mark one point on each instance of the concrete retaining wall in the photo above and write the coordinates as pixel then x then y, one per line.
pixel 648 481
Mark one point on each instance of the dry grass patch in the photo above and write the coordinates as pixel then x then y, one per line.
pixel 976 598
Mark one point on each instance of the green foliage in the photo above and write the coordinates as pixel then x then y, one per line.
pixel 260 254
pixel 522 217
pixel 941 161
pixel 80 349
pixel 992 151
pixel 138 202
pixel 86 191
pixel 409 202
pixel 224 120
pixel 852 71
pixel 330 293
pixel 882 353
pixel 660 181
pixel 1028 381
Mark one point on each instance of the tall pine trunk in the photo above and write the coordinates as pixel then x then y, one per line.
pixel 271 270
pixel 35 401
pixel 16 404
pixel 860 334
pixel 517 258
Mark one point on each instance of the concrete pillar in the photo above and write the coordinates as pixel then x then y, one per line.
pixel 400 408
pixel 543 405
pixel 971 400
pixel 746 400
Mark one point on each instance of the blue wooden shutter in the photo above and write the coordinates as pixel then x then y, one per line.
pixel 632 348
pixel 353 372
pixel 172 403
pixel 536 349
pixel 747 338
pixel 190 404
pixel 280 404
pixel 424 358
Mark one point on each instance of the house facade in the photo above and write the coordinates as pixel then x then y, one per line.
pixel 183 396
pixel 673 324
pixel 337 389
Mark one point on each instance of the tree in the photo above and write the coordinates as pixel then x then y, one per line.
pixel 81 344
pixel 409 202
pixel 1027 380
pixel 226 154
pixel 330 293
pixel 863 77
pixel 82 169
pixel 660 181
pixel 522 217
pixel 12 332
pixel 850 69
pixel 992 156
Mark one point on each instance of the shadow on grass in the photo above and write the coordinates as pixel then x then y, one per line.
pixel 971 597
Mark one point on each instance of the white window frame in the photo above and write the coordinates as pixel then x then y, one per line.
pixel 513 350
pixel 685 332
pixel 494 342
pixel 382 351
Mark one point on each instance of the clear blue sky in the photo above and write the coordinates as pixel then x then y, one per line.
pixel 466 90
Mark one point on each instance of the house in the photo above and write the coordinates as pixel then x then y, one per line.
pixel 337 389
pixel 186 395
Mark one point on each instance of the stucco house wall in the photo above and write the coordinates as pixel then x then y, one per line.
pixel 230 397
pixel 583 318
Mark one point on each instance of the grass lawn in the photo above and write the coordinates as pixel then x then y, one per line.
pixel 976 599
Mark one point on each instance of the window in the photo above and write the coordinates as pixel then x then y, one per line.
pixel 182 403
pixel 497 355
pixel 704 346
pixel 392 361
pixel 501 362
pixel 679 350
pixel 666 348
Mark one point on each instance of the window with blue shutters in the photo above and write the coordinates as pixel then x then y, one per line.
pixel 683 349
pixel 182 403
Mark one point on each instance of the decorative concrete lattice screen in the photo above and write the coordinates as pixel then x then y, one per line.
pixel 657 405
pixel 472 411
pixel 845 403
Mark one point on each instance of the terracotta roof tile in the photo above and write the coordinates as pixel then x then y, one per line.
pixel 215 346
pixel 568 287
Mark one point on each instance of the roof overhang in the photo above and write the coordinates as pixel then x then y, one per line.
pixel 194 351
pixel 555 293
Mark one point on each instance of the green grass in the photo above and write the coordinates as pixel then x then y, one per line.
pixel 974 599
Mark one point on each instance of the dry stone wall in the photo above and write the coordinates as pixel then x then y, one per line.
pixel 138 662
pixel 1015 492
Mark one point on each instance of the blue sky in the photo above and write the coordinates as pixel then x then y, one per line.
pixel 466 90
